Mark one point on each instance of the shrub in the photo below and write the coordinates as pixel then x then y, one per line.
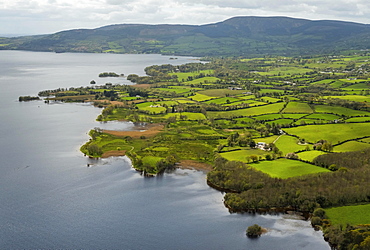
pixel 254 231
pixel 94 150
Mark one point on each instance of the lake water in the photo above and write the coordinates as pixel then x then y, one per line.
pixel 49 199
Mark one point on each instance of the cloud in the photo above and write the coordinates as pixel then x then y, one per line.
pixel 47 16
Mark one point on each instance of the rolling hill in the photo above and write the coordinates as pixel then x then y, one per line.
pixel 237 36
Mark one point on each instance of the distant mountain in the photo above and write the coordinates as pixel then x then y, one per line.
pixel 238 36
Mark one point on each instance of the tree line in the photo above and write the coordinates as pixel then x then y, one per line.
pixel 255 191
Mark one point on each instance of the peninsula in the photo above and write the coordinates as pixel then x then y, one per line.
pixel 280 133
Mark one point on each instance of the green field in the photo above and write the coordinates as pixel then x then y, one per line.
pixel 357 86
pixel 340 110
pixel 281 122
pixel 175 90
pixel 285 168
pixel 310 155
pixel 270 99
pixel 202 80
pixel 266 109
pixel 359 119
pixel 200 97
pixel 151 160
pixel 329 117
pixel 268 117
pixel 221 92
pixel 223 100
pixel 351 146
pixel 337 84
pixel 184 101
pixel 293 116
pixel 151 107
pixel 333 133
pixel 186 115
pixel 367 140
pixel 269 139
pixel 241 155
pixel 288 144
pixel 354 98
pixel 182 76
pixel 297 107
pixel 264 91
pixel 285 71
pixel 354 215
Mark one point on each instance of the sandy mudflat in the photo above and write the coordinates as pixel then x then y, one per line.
pixel 148 131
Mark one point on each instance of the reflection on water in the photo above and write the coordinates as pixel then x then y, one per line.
pixel 116 125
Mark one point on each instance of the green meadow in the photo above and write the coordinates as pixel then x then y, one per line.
pixel 289 144
pixel 354 215
pixel 310 155
pixel 333 133
pixel 340 111
pixel 297 107
pixel 351 146
pixel 285 168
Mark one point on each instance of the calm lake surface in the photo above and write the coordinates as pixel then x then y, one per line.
pixel 49 199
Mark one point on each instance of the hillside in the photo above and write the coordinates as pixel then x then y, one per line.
pixel 242 36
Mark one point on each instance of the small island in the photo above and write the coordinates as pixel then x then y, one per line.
pixel 110 74
pixel 255 231
pixel 28 98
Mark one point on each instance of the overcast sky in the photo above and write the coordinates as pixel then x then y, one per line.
pixel 49 16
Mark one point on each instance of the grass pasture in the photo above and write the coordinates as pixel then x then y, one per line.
pixel 357 86
pixel 267 140
pixel 286 71
pixel 188 116
pixel 281 121
pixel 351 146
pixel 354 98
pixel 310 155
pixel 367 140
pixel 200 97
pixel 270 99
pixel 309 121
pixel 297 107
pixel 184 101
pixel 354 215
pixel 340 111
pixel 241 155
pixel 333 133
pixel 222 100
pixel 285 168
pixel 292 116
pixel 203 80
pixel 268 117
pixel 175 90
pixel 221 92
pixel 328 117
pixel 359 119
pixel 271 91
pixel 337 84
pixel 150 107
pixel 151 160
pixel 183 76
pixel 255 111
pixel 288 144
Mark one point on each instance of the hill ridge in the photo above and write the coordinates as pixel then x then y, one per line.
pixel 236 36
